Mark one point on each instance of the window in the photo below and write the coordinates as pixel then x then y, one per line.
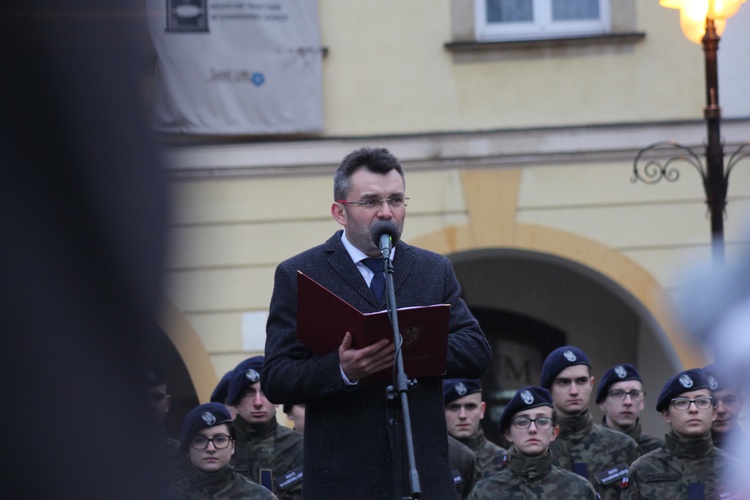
pixel 497 20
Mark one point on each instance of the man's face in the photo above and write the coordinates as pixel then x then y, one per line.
pixel 691 422
pixel 623 414
pixel 571 390
pixel 211 459
pixel 358 220
pixel 728 405
pixel 297 415
pixel 253 406
pixel 463 415
pixel 532 441
pixel 158 404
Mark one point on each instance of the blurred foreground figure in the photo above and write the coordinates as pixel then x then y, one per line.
pixel 82 213
pixel 715 308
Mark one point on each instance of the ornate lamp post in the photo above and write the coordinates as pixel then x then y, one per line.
pixel 702 21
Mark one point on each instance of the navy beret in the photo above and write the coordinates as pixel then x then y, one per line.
pixel 201 417
pixel 560 359
pixel 685 381
pixel 618 373
pixel 455 388
pixel 243 376
pixel 525 399
pixel 222 389
pixel 718 379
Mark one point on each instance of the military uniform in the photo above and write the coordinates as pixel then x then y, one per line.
pixel 270 446
pixel 683 466
pixel 463 466
pixel 645 442
pixel 521 477
pixel 222 484
pixel 485 452
pixel 594 452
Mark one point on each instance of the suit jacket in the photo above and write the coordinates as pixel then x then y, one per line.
pixel 354 435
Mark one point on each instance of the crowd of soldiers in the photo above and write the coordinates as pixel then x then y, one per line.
pixel 234 447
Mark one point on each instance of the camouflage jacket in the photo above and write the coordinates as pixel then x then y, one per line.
pixel 485 451
pixel 463 466
pixel 645 442
pixel 597 453
pixel 269 446
pixel 668 473
pixel 222 484
pixel 532 477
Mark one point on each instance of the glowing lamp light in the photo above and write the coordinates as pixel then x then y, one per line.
pixel 693 15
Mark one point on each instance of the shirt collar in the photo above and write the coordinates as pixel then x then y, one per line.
pixel 355 253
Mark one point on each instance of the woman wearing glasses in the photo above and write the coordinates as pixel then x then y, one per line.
pixel 207 439
pixel 688 466
pixel 528 423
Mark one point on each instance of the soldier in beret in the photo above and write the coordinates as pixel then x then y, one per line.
pixel 263 444
pixel 207 439
pixel 464 410
pixel 688 466
pixel 221 393
pixel 729 401
pixel 528 423
pixel 621 398
pixel 165 449
pixel 598 454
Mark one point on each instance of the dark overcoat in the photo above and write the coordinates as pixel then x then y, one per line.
pixel 353 435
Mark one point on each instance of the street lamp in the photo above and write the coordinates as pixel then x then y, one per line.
pixel 702 21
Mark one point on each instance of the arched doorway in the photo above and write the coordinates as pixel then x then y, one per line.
pixel 529 303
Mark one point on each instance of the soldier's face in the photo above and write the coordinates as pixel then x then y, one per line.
pixel 729 402
pixel 297 415
pixel 463 415
pixel 623 415
pixel 532 441
pixel 691 422
pixel 571 390
pixel 358 220
pixel 253 407
pixel 211 459
pixel 158 403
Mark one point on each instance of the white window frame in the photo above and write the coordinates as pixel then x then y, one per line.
pixel 541 27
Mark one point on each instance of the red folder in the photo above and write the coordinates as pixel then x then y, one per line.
pixel 323 318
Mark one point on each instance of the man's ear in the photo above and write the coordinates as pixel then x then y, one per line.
pixel 168 401
pixel 555 432
pixel 339 213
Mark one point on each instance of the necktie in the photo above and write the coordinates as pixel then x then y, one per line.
pixel 377 285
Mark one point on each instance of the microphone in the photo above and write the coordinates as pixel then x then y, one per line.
pixel 385 236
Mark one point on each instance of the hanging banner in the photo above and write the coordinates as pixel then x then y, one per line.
pixel 235 67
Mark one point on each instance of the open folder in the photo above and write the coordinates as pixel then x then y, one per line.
pixel 323 318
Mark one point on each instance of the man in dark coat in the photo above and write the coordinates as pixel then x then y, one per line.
pixel 354 442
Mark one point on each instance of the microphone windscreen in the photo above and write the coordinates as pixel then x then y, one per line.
pixel 384 227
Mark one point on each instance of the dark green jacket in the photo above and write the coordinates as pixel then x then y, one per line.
pixel 525 478
pixel 268 446
pixel 223 484
pixel 668 473
pixel 485 451
pixel 584 445
pixel 645 442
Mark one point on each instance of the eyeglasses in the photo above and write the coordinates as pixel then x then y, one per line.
pixel 619 394
pixel 702 403
pixel 393 202
pixel 525 422
pixel 220 442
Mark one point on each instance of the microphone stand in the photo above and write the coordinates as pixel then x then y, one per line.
pixel 401 382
